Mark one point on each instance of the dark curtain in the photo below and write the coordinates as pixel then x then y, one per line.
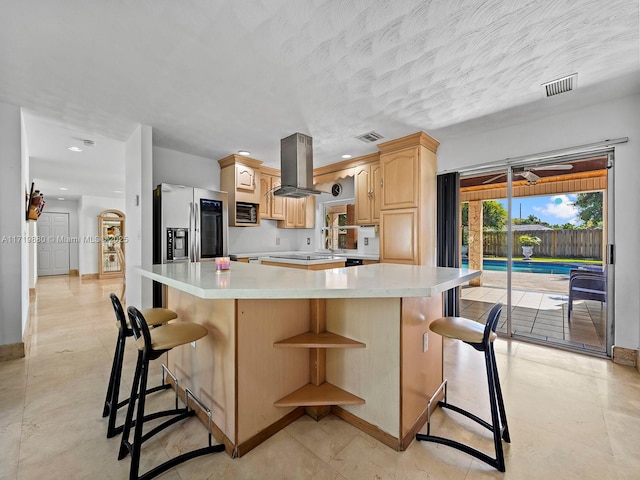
pixel 448 241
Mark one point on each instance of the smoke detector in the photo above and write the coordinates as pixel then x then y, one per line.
pixel 561 85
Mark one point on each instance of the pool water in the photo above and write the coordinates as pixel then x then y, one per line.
pixel 535 266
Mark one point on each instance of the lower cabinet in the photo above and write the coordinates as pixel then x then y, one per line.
pixel 399 236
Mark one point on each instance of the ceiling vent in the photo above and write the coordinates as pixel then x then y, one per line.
pixel 561 85
pixel 88 143
pixel 370 137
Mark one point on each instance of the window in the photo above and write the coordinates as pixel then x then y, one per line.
pixel 339 231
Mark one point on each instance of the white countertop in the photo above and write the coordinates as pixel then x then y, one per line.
pixel 249 280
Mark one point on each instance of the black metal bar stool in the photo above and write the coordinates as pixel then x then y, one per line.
pixel 481 338
pixel 155 317
pixel 152 343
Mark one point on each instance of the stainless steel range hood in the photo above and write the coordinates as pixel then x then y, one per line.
pixel 296 167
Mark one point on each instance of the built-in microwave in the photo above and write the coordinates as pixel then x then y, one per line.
pixel 246 212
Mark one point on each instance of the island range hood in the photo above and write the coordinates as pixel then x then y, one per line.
pixel 296 167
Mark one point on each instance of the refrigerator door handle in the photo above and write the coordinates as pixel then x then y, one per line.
pixel 191 231
pixel 196 256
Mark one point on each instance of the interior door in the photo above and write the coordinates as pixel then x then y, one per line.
pixel 53 249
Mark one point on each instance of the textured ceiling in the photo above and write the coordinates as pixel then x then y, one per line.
pixel 214 77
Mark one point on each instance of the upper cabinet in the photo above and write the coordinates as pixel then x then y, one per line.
pixel 240 178
pixel 300 213
pixel 246 178
pixel 271 207
pixel 367 185
pixel 399 172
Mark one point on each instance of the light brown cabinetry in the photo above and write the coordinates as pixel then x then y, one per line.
pixel 240 178
pixel 399 235
pixel 408 169
pixel 271 207
pixel 300 213
pixel 367 185
pixel 400 176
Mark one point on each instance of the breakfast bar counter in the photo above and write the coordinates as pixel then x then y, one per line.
pixel 283 342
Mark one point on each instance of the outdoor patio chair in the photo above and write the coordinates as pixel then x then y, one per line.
pixel 586 285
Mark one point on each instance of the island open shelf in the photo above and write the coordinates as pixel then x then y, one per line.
pixel 321 395
pixel 318 340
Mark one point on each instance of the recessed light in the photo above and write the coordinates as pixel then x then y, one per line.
pixel 63 188
pixel 346 155
pixel 117 191
pixel 74 149
pixel 60 198
pixel 244 153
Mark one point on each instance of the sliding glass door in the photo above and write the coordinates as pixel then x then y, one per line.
pixel 539 231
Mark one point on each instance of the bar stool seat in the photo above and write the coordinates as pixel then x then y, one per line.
pixel 157 317
pixel 461 329
pixel 151 344
pixel 480 337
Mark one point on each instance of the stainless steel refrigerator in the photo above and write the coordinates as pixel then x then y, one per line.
pixel 189 225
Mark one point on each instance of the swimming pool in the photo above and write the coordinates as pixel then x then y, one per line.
pixel 535 266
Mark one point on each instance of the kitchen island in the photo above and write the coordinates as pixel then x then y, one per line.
pixel 283 342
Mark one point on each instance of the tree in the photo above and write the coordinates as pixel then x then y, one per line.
pixel 494 216
pixel 590 208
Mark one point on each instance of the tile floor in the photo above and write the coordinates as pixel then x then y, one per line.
pixel 571 416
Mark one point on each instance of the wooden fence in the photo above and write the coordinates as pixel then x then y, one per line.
pixel 585 244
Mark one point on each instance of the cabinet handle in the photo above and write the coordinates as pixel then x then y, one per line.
pixel 381 183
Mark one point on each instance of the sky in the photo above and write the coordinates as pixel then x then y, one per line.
pixel 554 209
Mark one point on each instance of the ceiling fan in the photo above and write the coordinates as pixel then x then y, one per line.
pixel 528 172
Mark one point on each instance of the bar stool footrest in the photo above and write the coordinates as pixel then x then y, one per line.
pixel 154 472
pixel 463 448
pixel 467 414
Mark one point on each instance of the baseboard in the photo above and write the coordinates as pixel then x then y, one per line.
pixel 89 276
pixel 11 351
pixel 626 356
pixel 74 273
pixel 366 427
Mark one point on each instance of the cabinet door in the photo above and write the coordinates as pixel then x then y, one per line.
pixel 399 236
pixel 376 190
pixel 265 196
pixel 291 205
pixel 400 179
pixel 278 209
pixel 362 186
pixel 245 178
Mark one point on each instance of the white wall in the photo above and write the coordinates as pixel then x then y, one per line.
pixel 263 238
pixel 138 209
pixel 70 207
pixel 28 252
pixel 178 168
pixel 608 120
pixel 89 207
pixel 13 252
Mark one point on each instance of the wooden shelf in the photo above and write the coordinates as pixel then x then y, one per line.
pixel 318 340
pixel 325 394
